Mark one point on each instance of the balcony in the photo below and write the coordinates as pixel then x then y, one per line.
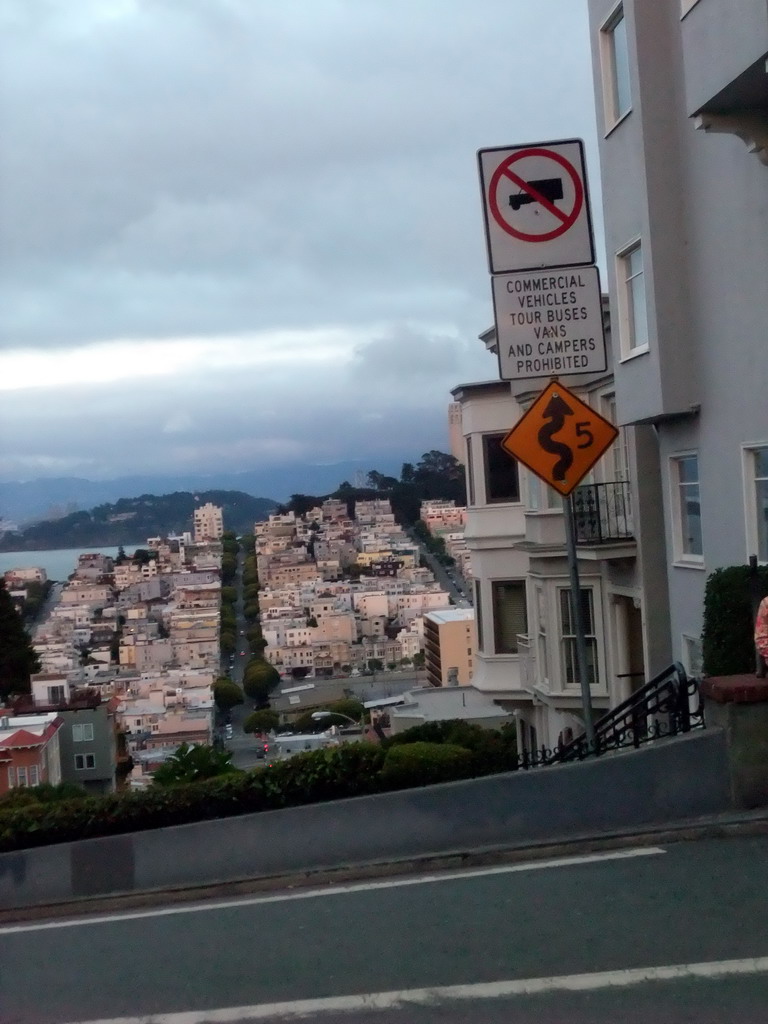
pixel 602 513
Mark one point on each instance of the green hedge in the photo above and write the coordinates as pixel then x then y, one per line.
pixel 728 636
pixel 354 769
pixel 422 764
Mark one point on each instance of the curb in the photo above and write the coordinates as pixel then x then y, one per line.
pixel 723 827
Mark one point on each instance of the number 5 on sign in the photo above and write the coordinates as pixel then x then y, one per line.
pixel 560 438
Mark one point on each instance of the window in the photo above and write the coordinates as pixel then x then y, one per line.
pixel 11 778
pixel 543 654
pixel 509 614
pixel 688 506
pixel 34 775
pixel 82 733
pixel 478 617
pixel 21 777
pixel 633 313
pixel 83 761
pixel 56 694
pixel 502 481
pixel 693 655
pixel 568 634
pixel 614 47
pixel 758 502
pixel 542 497
pixel 470 474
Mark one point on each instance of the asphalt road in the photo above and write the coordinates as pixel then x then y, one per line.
pixel 667 935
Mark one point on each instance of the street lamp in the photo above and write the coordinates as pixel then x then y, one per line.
pixel 319 716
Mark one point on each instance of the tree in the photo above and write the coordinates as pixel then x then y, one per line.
pixel 18 659
pixel 121 556
pixel 260 680
pixel 227 694
pixel 261 721
pixel 192 763
pixel 375 664
pixel 419 659
pixel 348 706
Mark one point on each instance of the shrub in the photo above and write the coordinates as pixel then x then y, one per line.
pixel 728 634
pixel 351 770
pixel 494 750
pixel 421 764
pixel 45 793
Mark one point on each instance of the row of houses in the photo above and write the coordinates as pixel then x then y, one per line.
pixel 339 592
pixel 128 656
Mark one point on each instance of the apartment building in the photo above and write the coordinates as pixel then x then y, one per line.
pixel 29 750
pixel 450 644
pixel 208 522
pixel 682 102
pixel 515 535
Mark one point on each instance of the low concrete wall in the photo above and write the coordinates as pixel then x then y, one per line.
pixel 662 783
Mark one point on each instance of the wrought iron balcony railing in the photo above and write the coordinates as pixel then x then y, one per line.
pixel 602 512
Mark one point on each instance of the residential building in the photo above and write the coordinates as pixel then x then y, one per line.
pixel 29 750
pixel 516 537
pixel 208 523
pixel 430 704
pixel 450 645
pixel 681 86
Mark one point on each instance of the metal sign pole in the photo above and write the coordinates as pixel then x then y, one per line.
pixel 578 621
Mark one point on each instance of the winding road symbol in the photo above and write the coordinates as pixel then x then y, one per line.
pixel 560 438
pixel 556 411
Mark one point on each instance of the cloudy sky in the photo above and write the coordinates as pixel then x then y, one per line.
pixel 237 233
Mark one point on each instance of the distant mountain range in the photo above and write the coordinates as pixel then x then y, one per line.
pixel 48 498
pixel 131 520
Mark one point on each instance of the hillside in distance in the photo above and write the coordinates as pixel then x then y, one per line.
pixel 131 520
pixel 26 501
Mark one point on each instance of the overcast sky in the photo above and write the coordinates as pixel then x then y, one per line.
pixel 236 233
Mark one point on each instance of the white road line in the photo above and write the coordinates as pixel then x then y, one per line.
pixel 451 993
pixel 338 890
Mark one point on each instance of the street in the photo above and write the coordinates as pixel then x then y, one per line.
pixel 665 934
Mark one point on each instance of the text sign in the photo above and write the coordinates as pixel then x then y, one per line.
pixel 536 206
pixel 560 438
pixel 549 322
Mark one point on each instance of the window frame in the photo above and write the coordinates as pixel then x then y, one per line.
pixel 85 730
pixel 485 439
pixel 683 558
pixel 471 490
pixel 84 767
pixel 609 69
pixel 567 640
pixel 496 585
pixel 750 480
pixel 626 301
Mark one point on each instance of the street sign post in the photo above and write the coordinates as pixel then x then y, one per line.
pixel 536 206
pixel 549 322
pixel 560 438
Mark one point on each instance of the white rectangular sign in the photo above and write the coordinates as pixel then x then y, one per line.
pixel 549 322
pixel 536 206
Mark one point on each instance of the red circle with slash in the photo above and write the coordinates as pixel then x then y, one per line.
pixel 567 220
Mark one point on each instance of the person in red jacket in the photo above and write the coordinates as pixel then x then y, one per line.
pixel 761 636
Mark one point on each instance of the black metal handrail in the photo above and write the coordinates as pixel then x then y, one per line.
pixel 602 512
pixel 659 709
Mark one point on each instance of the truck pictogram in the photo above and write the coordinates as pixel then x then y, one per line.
pixel 549 188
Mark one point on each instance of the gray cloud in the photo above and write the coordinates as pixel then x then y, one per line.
pixel 193 168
